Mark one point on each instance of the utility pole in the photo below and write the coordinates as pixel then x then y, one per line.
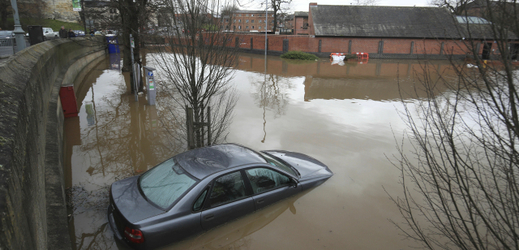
pixel 19 34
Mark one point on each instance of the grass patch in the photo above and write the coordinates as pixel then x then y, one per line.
pixel 299 55
pixel 54 24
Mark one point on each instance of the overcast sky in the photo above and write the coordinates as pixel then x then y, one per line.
pixel 302 5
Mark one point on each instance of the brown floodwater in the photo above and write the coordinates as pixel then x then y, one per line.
pixel 347 116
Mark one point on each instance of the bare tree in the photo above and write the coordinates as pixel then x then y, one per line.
pixel 198 64
pixel 454 6
pixel 460 175
pixel 279 8
pixel 365 2
pixel 4 12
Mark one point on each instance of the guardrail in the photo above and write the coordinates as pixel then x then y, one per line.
pixel 7 47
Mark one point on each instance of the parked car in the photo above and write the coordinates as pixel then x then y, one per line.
pixel 48 33
pixel 6 37
pixel 203 188
pixel 79 32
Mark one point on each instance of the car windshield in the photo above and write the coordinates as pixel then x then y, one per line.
pixel 272 161
pixel 165 183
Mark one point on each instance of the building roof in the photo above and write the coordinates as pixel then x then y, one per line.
pixel 301 13
pixel 252 12
pixel 383 21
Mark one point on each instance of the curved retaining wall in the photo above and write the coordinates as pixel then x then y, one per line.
pixel 32 199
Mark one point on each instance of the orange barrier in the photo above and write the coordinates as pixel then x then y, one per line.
pixel 362 56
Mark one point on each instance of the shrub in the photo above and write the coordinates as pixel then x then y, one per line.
pixel 299 55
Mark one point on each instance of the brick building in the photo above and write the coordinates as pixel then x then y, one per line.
pixel 301 23
pixel 383 32
pixel 249 21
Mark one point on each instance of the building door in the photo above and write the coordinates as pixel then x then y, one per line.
pixel 487 48
pixel 514 51
pixel 285 45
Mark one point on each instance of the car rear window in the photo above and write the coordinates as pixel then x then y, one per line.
pixel 165 183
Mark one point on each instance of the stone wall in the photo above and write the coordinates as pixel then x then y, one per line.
pixel 32 199
pixel 50 9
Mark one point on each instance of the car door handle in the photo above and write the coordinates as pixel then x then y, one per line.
pixel 260 201
pixel 209 217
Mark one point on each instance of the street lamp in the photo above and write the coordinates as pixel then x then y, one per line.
pixel 19 34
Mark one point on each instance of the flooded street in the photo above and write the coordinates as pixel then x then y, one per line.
pixel 346 116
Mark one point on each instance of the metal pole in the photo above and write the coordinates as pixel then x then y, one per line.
pixel 19 34
pixel 266 25
pixel 189 124
pixel 134 83
pixel 209 126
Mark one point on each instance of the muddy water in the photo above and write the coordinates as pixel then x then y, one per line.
pixel 344 115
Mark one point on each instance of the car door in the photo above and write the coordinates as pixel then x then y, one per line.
pixel 269 186
pixel 227 201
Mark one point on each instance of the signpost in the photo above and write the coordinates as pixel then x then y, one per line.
pixel 150 84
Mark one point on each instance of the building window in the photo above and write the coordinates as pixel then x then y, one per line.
pixel 259 21
pixel 239 14
pixel 259 27
pixel 234 20
pixel 252 27
pixel 246 15
pixel 252 15
pixel 246 27
pixel 239 21
pixel 239 27
pixel 247 21
pixel 252 21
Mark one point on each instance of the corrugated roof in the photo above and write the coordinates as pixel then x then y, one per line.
pixel 383 21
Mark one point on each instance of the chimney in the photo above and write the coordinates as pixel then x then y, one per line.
pixel 313 4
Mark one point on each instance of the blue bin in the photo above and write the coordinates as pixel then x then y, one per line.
pixel 113 44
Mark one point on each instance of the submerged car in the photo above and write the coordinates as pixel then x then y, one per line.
pixel 202 188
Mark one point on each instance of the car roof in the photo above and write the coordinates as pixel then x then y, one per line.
pixel 202 162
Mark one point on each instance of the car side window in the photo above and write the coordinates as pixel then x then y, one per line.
pixel 264 179
pixel 227 188
pixel 199 202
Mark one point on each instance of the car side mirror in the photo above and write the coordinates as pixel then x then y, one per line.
pixel 293 183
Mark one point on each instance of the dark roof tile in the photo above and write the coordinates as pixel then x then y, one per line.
pixel 383 21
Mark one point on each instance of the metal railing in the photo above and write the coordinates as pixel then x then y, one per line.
pixel 7 47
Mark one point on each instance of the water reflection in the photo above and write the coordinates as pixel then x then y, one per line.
pixel 234 235
pixel 342 115
pixel 113 138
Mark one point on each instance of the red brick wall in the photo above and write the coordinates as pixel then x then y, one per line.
pixel 299 23
pixel 367 45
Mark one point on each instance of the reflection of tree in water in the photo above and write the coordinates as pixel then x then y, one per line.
pixel 123 139
pixel 271 93
pixel 198 92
